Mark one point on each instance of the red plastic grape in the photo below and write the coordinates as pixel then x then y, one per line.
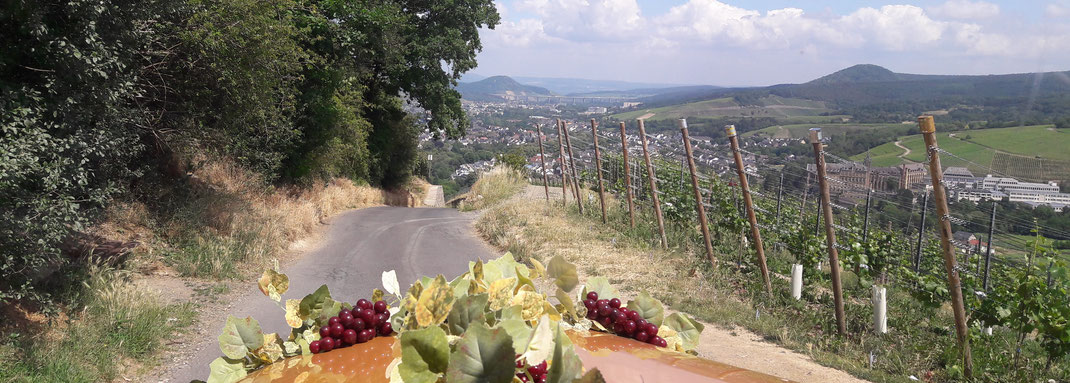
pixel 386 329
pixel 364 304
pixel 333 321
pixel 325 331
pixel 592 295
pixel 658 341
pixel 614 303
pixel 327 344
pixel 629 327
pixel 642 336
pixel 337 330
pixel 314 347
pixel 357 325
pixel 380 306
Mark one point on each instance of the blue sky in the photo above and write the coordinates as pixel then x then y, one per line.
pixel 762 42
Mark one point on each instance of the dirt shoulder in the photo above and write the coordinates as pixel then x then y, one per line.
pixel 523 226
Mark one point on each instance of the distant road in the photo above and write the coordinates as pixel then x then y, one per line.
pixel 906 150
pixel 359 246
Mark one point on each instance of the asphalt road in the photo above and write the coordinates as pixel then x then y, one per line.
pixel 359 246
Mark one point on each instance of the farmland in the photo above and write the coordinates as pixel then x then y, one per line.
pixel 800 130
pixel 981 147
pixel 771 106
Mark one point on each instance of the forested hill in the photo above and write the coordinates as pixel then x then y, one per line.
pixel 493 88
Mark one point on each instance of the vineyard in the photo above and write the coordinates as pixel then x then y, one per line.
pixel 897 312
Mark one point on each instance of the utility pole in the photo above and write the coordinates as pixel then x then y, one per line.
pixel 627 175
pixel 991 242
pixel 928 132
pixel 598 169
pixel 699 207
pixel 653 181
pixel 830 234
pixel 730 131
pixel 542 159
pixel 572 164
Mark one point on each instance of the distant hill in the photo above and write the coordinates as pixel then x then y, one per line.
pixel 648 92
pixel 573 86
pixel 876 94
pixel 497 88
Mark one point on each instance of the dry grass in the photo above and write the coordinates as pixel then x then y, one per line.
pixel 227 216
pixel 493 187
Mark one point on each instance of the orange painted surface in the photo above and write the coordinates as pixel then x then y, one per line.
pixel 621 360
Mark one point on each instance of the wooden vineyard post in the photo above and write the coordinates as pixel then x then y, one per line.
pixel 627 175
pixel 598 169
pixel 830 233
pixel 928 131
pixel 699 206
pixel 542 159
pixel 564 168
pixel 653 181
pixel 572 165
pixel 730 131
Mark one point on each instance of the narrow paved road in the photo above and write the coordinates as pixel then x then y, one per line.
pixel 359 246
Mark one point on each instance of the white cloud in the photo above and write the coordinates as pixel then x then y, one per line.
pixel 588 20
pixel 966 9
pixel 1057 10
pixel 895 27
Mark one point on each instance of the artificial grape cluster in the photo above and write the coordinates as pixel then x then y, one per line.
pixel 359 325
pixel 621 320
pixel 537 372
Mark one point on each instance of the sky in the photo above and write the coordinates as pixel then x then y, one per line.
pixel 765 42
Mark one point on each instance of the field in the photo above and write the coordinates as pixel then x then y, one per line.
pixel 802 130
pixel 772 106
pixel 1002 148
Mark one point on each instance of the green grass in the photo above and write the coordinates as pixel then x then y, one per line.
pixel 118 333
pixel 979 146
pixel 802 130
pixel 772 106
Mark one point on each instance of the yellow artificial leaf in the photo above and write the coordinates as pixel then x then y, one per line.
pixel 540 270
pixel 435 303
pixel 501 292
pixel 293 313
pixel 566 301
pixel 550 310
pixel 273 278
pixel 416 289
pixel 271 350
pixel 531 302
pixel 477 271
pixel 476 287
pixel 521 280
pixel 377 295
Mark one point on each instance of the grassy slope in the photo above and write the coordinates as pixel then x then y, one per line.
pixel 980 148
pixel 772 106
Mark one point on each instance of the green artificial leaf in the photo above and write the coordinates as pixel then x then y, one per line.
pixel 466 310
pixel 565 365
pixel 563 273
pixel 648 308
pixel 312 304
pixel 521 280
pixel 688 329
pixel 329 309
pixel 592 376
pixel 240 336
pixel 513 322
pixel 541 343
pixel 425 354
pixel 460 286
pixel 482 355
pixel 601 286
pixel 226 371
pixel 566 301
pixel 501 268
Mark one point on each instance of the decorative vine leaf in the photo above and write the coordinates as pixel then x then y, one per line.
pixel 540 270
pixel 648 308
pixel 517 327
pixel 541 344
pixel 566 301
pixel 565 365
pixel 240 336
pixel 226 371
pixel 477 270
pixel 312 304
pixel 293 313
pixel 533 303
pixel 564 273
pixel 466 310
pixel 482 355
pixel 435 303
pixel 271 350
pixel 425 355
pixel 522 280
pixel 390 283
pixel 501 293
pixel 377 295
pixel 271 278
pixel 592 376
pixel 688 329
pixel 601 286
